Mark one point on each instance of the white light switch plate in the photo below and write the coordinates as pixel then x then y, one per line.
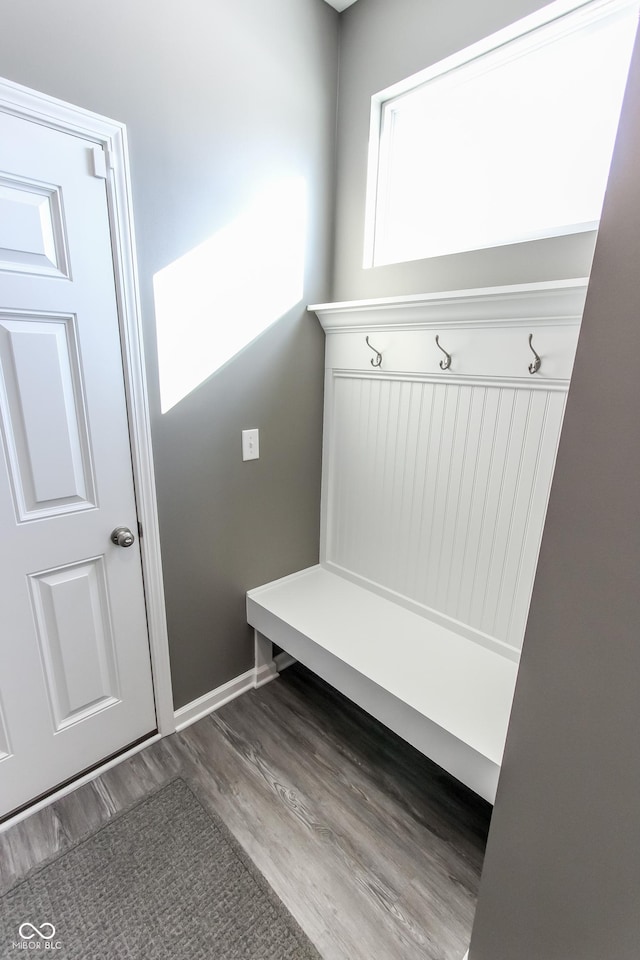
pixel 250 444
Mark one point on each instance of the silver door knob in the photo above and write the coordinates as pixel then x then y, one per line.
pixel 122 537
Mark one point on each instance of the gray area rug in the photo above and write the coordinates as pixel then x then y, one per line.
pixel 161 880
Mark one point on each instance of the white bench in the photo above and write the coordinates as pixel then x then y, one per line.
pixel 446 695
pixel 435 482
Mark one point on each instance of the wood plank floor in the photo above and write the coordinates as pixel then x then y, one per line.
pixel 374 850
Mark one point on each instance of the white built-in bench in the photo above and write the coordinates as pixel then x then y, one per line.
pixel 445 694
pixel 434 493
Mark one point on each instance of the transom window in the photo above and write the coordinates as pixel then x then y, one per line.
pixel 507 141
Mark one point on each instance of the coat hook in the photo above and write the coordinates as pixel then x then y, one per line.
pixel 377 360
pixel 446 363
pixel 535 365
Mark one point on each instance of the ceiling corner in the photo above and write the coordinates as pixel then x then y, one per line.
pixel 340 5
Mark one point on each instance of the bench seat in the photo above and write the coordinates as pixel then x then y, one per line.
pixel 447 695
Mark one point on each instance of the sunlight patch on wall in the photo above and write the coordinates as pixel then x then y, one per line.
pixel 217 298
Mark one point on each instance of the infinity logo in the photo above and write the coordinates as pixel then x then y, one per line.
pixel 22 931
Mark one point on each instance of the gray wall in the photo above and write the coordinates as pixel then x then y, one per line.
pixel 562 872
pixel 383 41
pixel 218 97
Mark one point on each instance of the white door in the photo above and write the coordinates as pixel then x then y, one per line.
pixel 75 677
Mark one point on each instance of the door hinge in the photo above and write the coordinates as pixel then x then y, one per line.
pixel 101 162
pixel 139 530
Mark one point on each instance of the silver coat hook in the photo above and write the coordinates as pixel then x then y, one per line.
pixel 446 363
pixel 535 365
pixel 377 360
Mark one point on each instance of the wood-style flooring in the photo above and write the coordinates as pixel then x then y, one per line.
pixel 375 850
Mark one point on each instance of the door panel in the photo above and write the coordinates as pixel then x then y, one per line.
pixel 32 237
pixel 75 676
pixel 73 622
pixel 41 407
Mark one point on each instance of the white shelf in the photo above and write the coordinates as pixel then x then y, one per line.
pixel 548 301
pixel 419 668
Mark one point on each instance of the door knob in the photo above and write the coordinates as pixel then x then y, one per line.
pixel 122 537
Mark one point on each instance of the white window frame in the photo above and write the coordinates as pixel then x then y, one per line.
pixel 558 18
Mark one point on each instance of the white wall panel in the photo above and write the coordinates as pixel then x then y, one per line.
pixel 437 492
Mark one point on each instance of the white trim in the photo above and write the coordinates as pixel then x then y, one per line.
pixel 265 674
pixel 510 383
pixel 140 427
pixel 514 305
pixel 209 702
pixel 79 782
pixel 111 135
pixel 203 706
pixel 283 660
pixel 594 10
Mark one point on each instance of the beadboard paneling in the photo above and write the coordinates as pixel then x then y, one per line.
pixel 437 490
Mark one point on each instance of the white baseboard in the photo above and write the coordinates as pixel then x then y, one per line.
pixel 283 660
pixel 265 673
pixel 203 706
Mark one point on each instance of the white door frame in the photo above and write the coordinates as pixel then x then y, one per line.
pixel 112 137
